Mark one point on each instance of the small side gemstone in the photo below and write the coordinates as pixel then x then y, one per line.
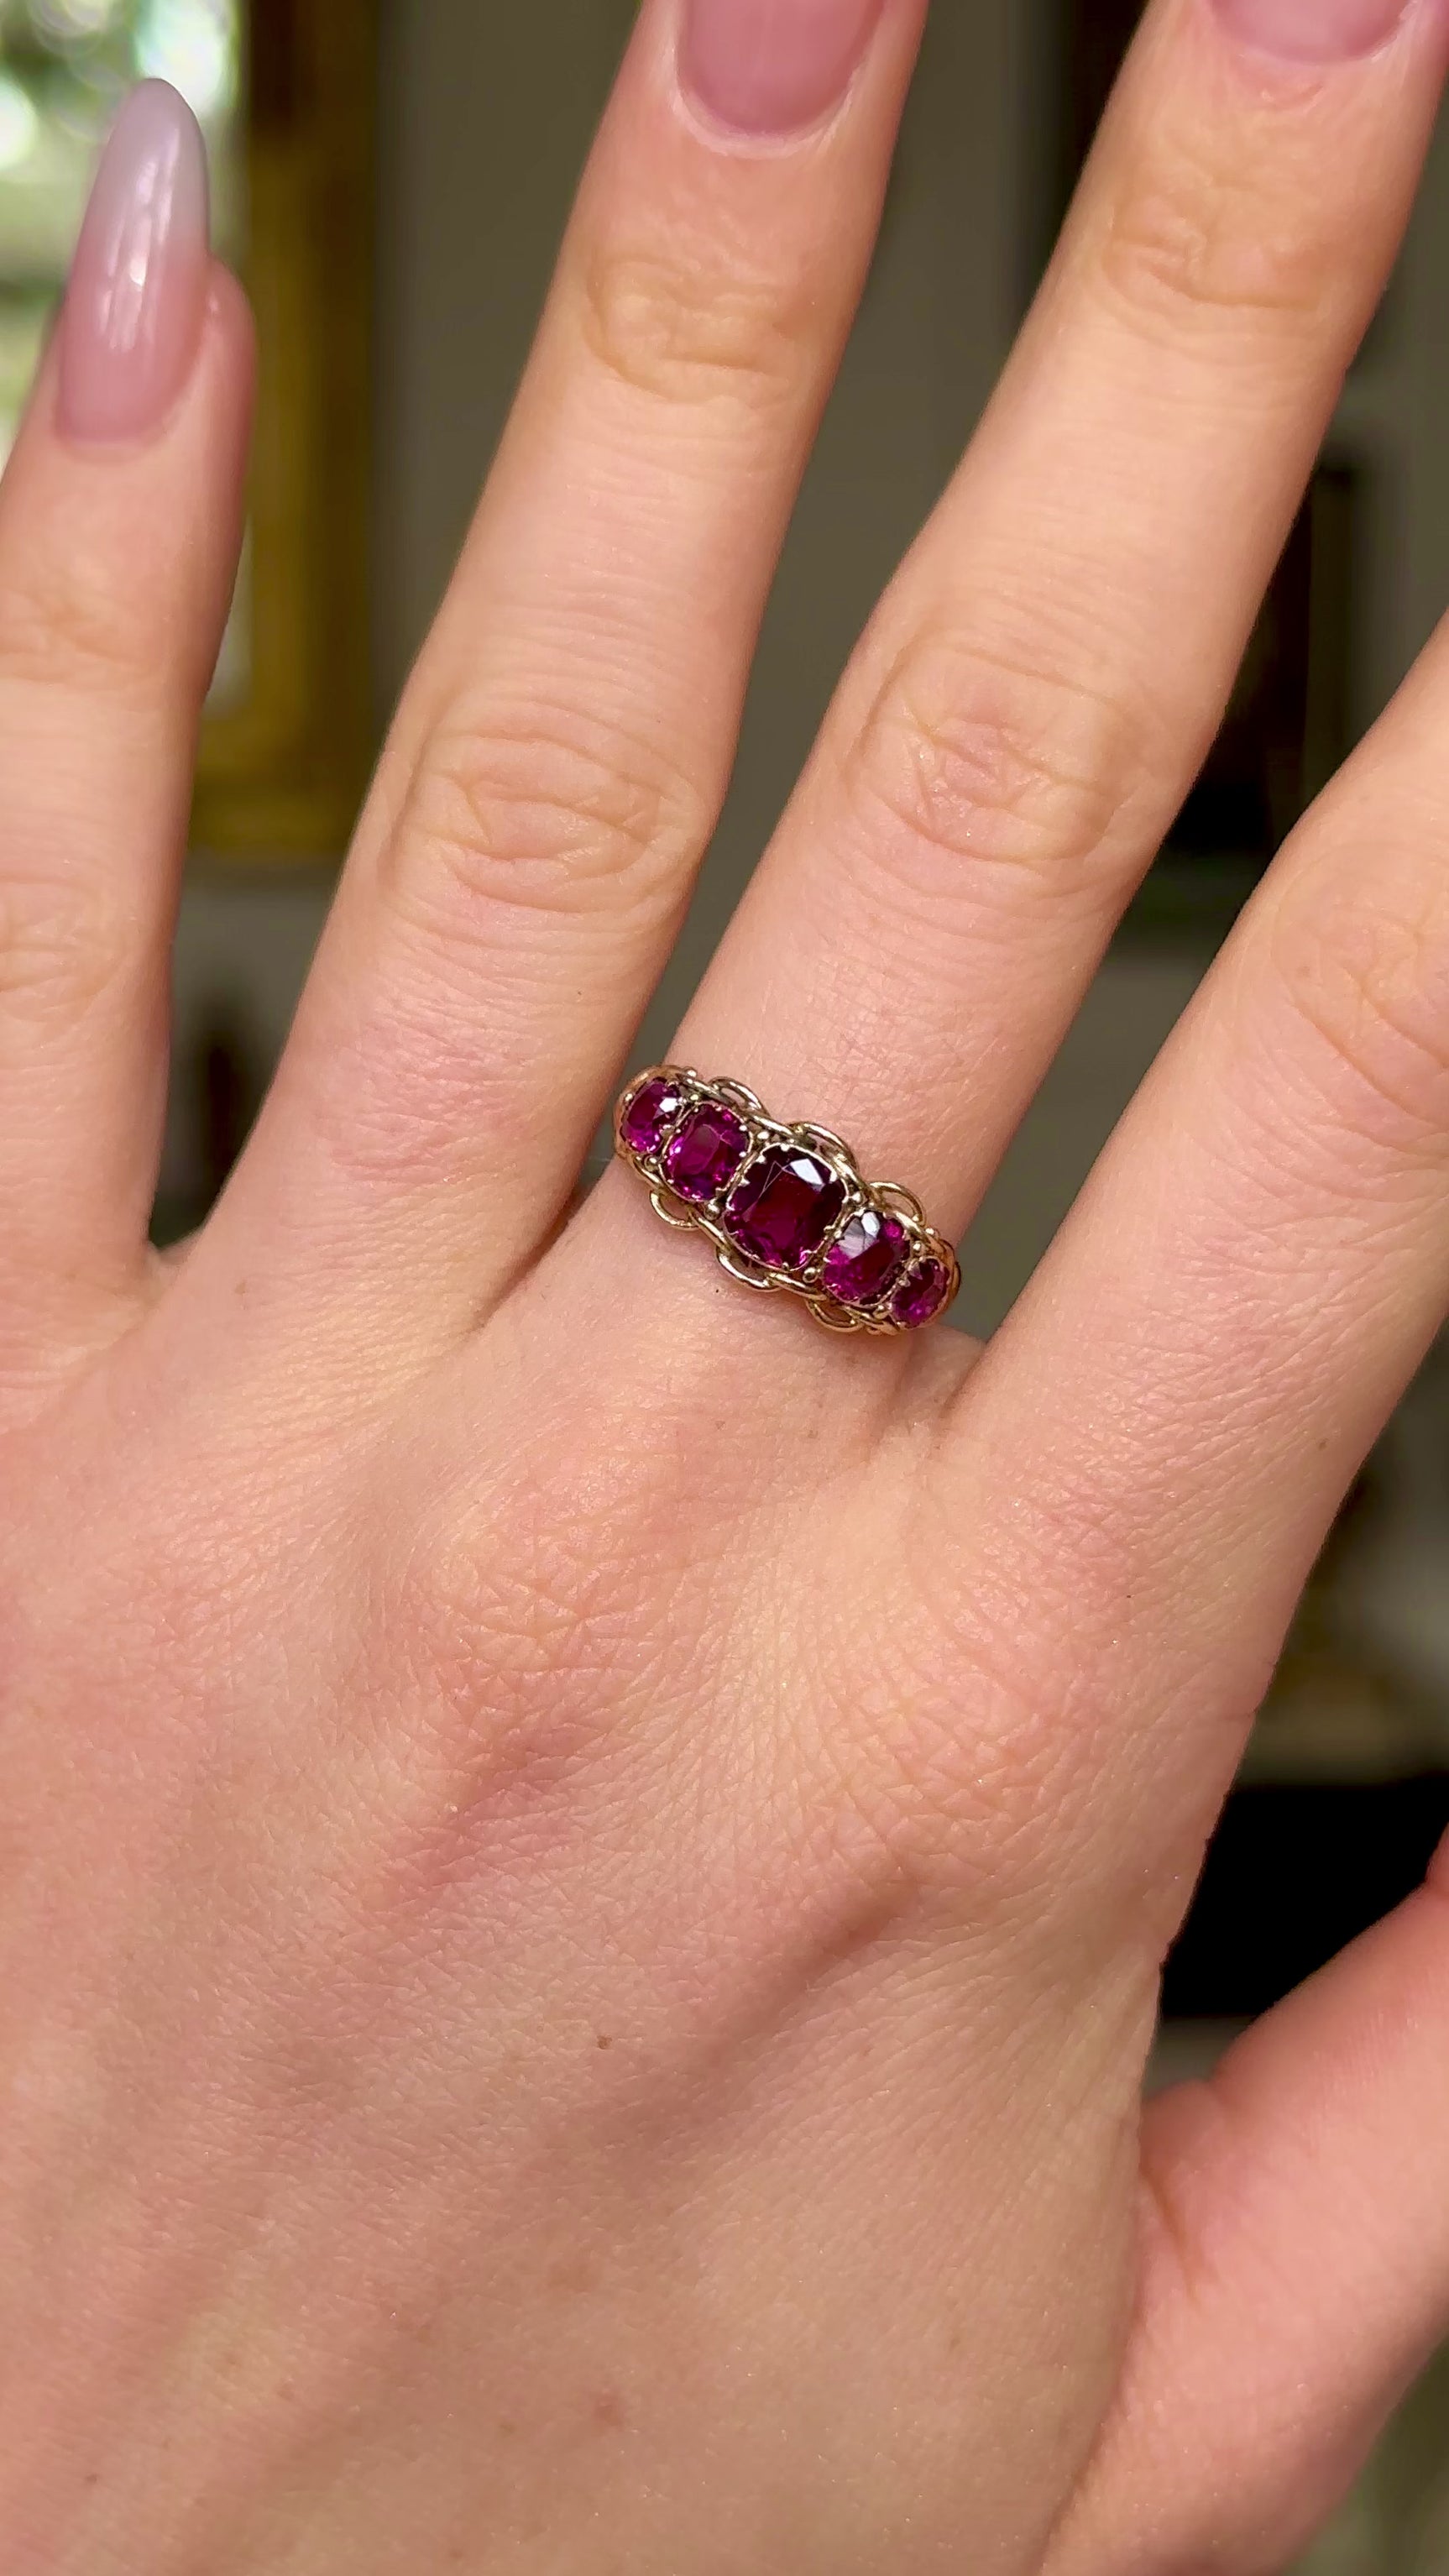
pixel 922 1293
pixel 648 1117
pixel 864 1258
pixel 703 1156
pixel 784 1207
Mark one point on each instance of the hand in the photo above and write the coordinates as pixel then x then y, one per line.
pixel 585 1863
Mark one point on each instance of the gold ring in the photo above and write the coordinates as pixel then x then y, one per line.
pixel 784 1207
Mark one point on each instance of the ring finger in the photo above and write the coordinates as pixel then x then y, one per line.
pixel 1038 688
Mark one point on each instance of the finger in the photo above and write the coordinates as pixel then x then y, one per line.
pixel 564 745
pixel 1251 1277
pixel 119 516
pixel 1295 2269
pixel 1039 687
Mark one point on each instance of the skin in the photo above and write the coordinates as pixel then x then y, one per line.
pixel 585 1866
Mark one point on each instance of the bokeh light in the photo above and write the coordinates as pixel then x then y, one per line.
pixel 19 124
pixel 74 22
pixel 191 43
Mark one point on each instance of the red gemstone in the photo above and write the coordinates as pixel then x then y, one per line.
pixel 705 1153
pixel 864 1259
pixel 648 1117
pixel 785 1206
pixel 922 1293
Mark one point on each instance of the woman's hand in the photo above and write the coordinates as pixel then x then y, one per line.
pixel 585 1865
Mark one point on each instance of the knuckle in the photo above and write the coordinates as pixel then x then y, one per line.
pixel 974 759
pixel 495 1676
pixel 976 1780
pixel 1185 237
pixel 951 1769
pixel 973 1760
pixel 916 1817
pixel 1369 979
pixel 61 948
pixel 689 330
pixel 483 1625
pixel 522 1624
pixel 545 813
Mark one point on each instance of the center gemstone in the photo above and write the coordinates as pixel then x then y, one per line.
pixel 783 1209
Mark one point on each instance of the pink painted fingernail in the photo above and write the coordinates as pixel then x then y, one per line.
pixel 772 66
pixel 1313 31
pixel 133 311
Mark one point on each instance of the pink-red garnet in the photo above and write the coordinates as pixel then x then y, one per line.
pixel 648 1117
pixel 922 1293
pixel 784 1207
pixel 864 1258
pixel 703 1155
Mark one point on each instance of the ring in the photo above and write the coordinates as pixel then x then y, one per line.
pixel 784 1207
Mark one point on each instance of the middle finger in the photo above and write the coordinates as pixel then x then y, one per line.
pixel 564 743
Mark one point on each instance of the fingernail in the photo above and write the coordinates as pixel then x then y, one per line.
pixel 772 66
pixel 1313 31
pixel 133 310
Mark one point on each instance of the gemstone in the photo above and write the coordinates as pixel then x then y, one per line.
pixel 864 1258
pixel 648 1117
pixel 784 1207
pixel 705 1153
pixel 922 1293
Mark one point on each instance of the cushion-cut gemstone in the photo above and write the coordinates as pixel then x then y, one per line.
pixel 705 1153
pixel 651 1113
pixel 923 1292
pixel 864 1258
pixel 783 1208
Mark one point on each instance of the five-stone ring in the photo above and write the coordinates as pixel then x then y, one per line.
pixel 784 1207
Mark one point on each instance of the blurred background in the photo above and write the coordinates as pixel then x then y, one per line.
pixel 391 179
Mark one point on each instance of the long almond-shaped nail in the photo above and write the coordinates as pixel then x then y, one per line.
pixel 136 300
pixel 772 67
pixel 1313 31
